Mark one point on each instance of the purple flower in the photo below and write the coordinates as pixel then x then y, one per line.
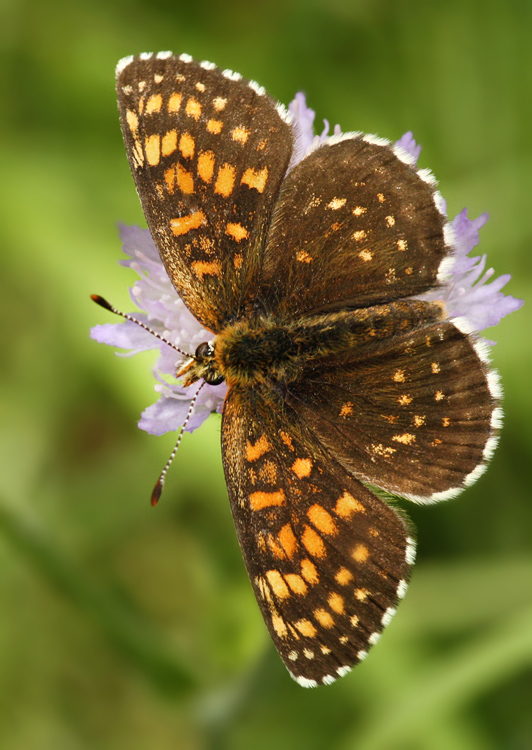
pixel 168 316
pixel 466 294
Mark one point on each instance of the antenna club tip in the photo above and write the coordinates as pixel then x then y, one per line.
pixel 101 301
pixel 156 494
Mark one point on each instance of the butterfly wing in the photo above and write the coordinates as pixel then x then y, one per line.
pixel 208 151
pixel 416 413
pixel 368 230
pixel 327 559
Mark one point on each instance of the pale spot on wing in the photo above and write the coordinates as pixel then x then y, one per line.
pixel 193 109
pixel 154 104
pixel 406 438
pixel 174 102
pixel 360 553
pixel 343 577
pixel 215 126
pixel 308 571
pixel 306 628
pixel 346 505
pixel 277 583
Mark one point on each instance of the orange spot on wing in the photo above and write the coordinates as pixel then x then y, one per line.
pixel 404 400
pixel 225 180
pixel 255 450
pixel 169 142
pixel 260 500
pixel 169 178
pixel 325 619
pixel 193 108
pixel 154 104
pixel 313 542
pixel 255 178
pixel 240 134
pixel 206 268
pixel 185 180
pixel 306 628
pixel 343 577
pixel 215 126
pixel 236 231
pixel 279 625
pixel 287 440
pixel 347 409
pixel 302 467
pixel 276 548
pixel 308 571
pixel 132 121
pixel 174 102
pixel 187 145
pixel 360 553
pixel 287 540
pixel 152 146
pixel 336 603
pixel 219 103
pixel 322 520
pixel 206 165
pixel 296 583
pixel 184 224
pixel 277 583
pixel 347 505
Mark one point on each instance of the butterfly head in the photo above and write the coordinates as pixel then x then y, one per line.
pixel 201 365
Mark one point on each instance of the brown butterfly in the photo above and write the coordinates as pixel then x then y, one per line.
pixel 339 378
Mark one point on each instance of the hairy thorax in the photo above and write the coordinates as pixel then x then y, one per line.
pixel 268 350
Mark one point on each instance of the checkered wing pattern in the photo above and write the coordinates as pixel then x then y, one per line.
pixel 208 151
pixel 368 230
pixel 328 561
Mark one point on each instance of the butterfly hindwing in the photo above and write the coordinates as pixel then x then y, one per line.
pixel 208 151
pixel 416 413
pixel 368 230
pixel 327 559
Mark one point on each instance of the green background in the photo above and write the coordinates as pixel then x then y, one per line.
pixel 127 627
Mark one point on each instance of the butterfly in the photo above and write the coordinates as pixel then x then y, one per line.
pixel 341 379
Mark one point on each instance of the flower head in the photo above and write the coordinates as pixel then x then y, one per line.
pixel 168 316
pixel 466 294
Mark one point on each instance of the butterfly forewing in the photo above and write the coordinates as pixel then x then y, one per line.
pixel 208 151
pixel 328 561
pixel 368 230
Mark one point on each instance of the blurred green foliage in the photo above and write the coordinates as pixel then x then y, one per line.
pixel 124 627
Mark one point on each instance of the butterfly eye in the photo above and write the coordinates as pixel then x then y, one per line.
pixel 204 350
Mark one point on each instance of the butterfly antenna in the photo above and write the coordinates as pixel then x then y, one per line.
pixel 159 485
pixel 107 306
